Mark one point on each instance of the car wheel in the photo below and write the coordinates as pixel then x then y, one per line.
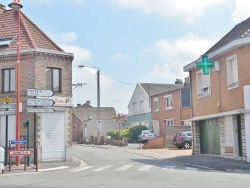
pixel 186 145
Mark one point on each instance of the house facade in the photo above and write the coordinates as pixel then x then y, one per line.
pixel 171 110
pixel 44 66
pixel 220 108
pixel 86 116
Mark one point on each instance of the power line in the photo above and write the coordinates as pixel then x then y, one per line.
pixel 117 80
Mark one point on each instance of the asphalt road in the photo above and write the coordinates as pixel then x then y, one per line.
pixel 110 168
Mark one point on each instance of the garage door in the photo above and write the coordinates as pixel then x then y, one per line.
pixel 11 129
pixel 53 136
pixel 210 137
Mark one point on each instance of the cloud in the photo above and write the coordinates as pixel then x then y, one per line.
pixel 81 55
pixel 189 11
pixel 69 37
pixel 242 11
pixel 118 56
pixel 174 55
pixel 50 2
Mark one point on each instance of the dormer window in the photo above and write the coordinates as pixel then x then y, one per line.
pixel 5 42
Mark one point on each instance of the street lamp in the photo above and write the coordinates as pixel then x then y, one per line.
pixel 99 125
pixel 16 6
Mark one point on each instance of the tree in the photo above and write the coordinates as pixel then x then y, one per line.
pixel 135 131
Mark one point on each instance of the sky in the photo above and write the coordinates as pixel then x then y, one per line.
pixel 132 41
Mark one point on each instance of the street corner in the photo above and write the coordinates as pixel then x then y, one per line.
pixel 172 152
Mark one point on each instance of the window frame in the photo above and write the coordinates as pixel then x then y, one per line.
pixel 52 79
pixel 168 97
pixel 10 81
pixel 202 92
pixel 230 71
pixel 169 120
pixel 156 104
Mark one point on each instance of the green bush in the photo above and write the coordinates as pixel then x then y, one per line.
pixel 135 131
pixel 114 134
pixel 126 133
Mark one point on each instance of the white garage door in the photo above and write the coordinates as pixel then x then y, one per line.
pixel 53 136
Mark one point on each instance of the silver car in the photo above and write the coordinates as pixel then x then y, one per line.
pixel 146 135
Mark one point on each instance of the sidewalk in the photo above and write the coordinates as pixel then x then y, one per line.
pixel 185 157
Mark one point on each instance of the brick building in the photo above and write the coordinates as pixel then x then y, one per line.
pixel 43 65
pixel 220 113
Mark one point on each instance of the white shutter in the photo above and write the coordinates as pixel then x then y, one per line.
pixel 205 81
pixel 53 136
pixel 234 71
pixel 11 129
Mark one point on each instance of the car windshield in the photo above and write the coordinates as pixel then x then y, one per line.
pixel 147 131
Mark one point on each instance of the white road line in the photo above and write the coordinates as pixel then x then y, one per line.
pixel 57 168
pixel 125 167
pixel 81 169
pixel 145 168
pixel 103 168
pixel 168 168
pixel 191 169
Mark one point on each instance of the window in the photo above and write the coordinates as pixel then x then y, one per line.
pixel 4 43
pixel 232 72
pixel 141 106
pixel 168 102
pixel 169 122
pixel 9 80
pixel 156 104
pixel 203 84
pixel 53 77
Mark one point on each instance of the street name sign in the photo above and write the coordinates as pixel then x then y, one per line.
pixel 19 152
pixel 17 141
pixel 40 102
pixel 41 110
pixel 13 105
pixel 5 113
pixel 40 93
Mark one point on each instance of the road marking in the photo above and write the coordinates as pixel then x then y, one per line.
pixel 191 169
pixel 50 169
pixel 125 167
pixel 103 168
pixel 169 168
pixel 145 168
pixel 81 169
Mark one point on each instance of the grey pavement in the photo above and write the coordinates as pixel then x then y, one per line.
pixel 210 162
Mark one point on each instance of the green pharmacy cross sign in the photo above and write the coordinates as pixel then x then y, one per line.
pixel 204 64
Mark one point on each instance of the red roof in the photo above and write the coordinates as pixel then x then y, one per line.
pixel 30 35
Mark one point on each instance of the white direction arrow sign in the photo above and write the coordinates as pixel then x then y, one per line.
pixel 7 105
pixel 40 93
pixel 40 102
pixel 4 113
pixel 41 110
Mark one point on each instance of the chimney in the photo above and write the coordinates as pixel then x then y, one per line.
pixel 78 105
pixel 187 82
pixel 88 102
pixel 178 81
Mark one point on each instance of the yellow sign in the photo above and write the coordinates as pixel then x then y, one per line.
pixel 6 99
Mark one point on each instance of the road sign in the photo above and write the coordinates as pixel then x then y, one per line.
pixel 5 113
pixel 17 141
pixel 19 152
pixel 7 99
pixel 40 102
pixel 40 93
pixel 41 110
pixel 13 105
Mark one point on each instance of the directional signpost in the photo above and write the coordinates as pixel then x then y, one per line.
pixel 40 93
pixel 41 110
pixel 19 152
pixel 40 102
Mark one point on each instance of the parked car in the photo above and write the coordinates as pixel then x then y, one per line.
pixel 183 140
pixel 146 135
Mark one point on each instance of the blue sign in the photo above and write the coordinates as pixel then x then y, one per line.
pixel 17 141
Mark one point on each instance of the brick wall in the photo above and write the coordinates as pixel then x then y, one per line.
pixel 156 143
